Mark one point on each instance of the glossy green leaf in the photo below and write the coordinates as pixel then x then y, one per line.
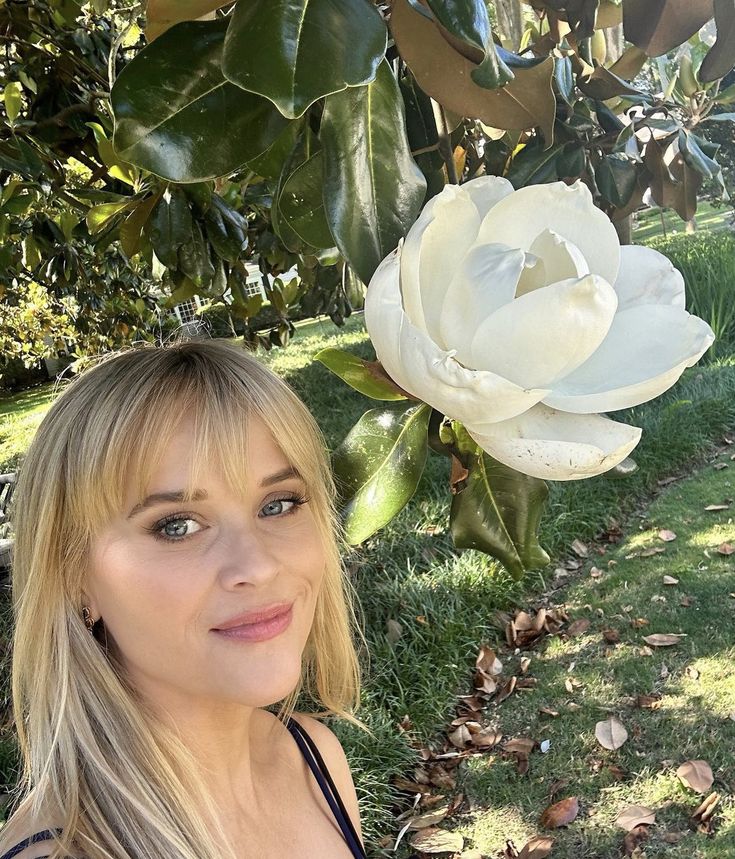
pixel 373 189
pixel 379 464
pixel 306 145
pixel 194 259
pixel 169 226
pixel 296 51
pixel 98 217
pixel 497 510
pixel 721 56
pixel 534 165
pixel 117 168
pixel 13 100
pixel 131 232
pixel 468 24
pixel 421 126
pixel 301 203
pixel 367 377
pixel 270 163
pixel 616 178
pixel 226 230
pixel 176 114
pixel 694 157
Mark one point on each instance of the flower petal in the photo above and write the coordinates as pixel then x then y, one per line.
pixel 647 277
pixel 483 283
pixel 486 191
pixel 517 220
pixel 546 334
pixel 434 247
pixel 646 350
pixel 432 374
pixel 555 445
pixel 556 259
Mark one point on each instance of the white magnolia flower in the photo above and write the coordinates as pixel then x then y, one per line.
pixel 519 314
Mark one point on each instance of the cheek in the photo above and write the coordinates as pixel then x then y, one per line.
pixel 138 598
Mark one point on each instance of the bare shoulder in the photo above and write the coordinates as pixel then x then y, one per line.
pixel 21 828
pixel 336 761
pixel 35 850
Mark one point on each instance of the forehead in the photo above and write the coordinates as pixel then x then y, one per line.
pixel 187 461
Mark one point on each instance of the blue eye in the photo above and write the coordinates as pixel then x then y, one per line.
pixel 281 506
pixel 174 529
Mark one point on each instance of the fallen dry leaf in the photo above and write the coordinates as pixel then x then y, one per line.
pixel 648 702
pixel 520 746
pixel 670 580
pixel 696 775
pixel 704 812
pixel 666 536
pixel 611 636
pixel 431 818
pixel 686 601
pixel 635 815
pixel 548 711
pixel 486 739
pixel 435 840
pixel 638 622
pixel 539 847
pixel 711 508
pixel 596 572
pixel 460 737
pixel 488 662
pixel 393 630
pixel 725 549
pixel 663 639
pixel 571 684
pixel 577 627
pixel 561 813
pixel 634 839
pixel 579 548
pixel 652 550
pixel 611 733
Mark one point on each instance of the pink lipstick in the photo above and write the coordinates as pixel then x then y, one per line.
pixel 260 625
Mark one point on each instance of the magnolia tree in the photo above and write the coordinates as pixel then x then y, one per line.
pixel 469 176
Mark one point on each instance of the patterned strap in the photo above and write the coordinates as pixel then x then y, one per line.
pixel 46 835
pixel 324 779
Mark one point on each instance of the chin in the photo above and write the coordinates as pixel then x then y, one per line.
pixel 268 685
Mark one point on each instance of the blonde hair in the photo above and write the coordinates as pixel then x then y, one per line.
pixel 96 762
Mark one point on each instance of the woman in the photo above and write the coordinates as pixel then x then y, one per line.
pixel 176 571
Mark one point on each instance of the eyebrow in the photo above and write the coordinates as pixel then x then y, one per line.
pixel 178 495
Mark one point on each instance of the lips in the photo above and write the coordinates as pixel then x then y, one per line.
pixel 261 624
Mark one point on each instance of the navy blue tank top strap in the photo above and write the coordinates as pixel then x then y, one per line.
pixel 324 780
pixel 46 835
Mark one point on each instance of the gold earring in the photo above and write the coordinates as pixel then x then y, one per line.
pixel 88 621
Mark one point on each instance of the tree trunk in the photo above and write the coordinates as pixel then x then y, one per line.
pixel 623 229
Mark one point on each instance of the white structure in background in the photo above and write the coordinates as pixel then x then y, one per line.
pixel 187 311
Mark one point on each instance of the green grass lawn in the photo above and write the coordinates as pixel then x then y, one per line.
pixel 648 222
pixel 695 680
pixel 444 600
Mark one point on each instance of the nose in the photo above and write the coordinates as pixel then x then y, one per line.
pixel 247 558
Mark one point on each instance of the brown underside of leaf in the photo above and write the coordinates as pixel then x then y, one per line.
pixel 658 26
pixel 162 14
pixel 443 73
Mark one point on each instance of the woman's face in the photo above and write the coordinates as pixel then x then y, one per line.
pixel 179 585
